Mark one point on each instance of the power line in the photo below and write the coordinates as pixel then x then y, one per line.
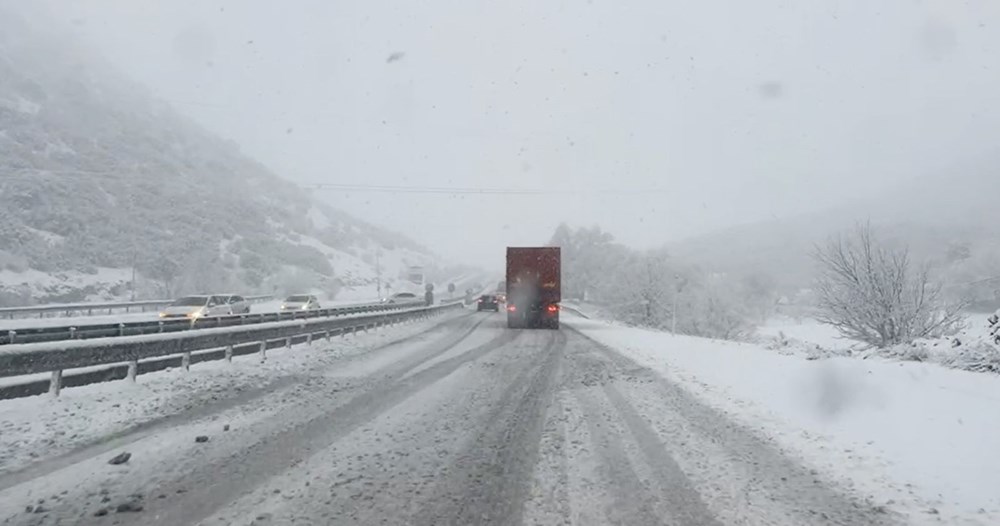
pixel 55 171
pixel 374 188
pixel 423 189
pixel 477 191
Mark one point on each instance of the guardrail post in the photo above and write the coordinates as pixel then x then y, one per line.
pixel 327 334
pixel 288 342
pixel 243 319
pixel 263 351
pixel 72 333
pixel 121 329
pixel 186 361
pixel 55 384
pixel 10 336
pixel 309 338
pixel 229 353
pixel 133 370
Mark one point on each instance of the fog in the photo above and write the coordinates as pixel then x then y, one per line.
pixel 658 121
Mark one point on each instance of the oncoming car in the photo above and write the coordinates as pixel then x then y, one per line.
pixel 237 304
pixel 401 297
pixel 195 307
pixel 300 302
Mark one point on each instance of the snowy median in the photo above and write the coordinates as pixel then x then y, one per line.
pixel 920 437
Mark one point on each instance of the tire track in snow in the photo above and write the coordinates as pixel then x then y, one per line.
pixel 638 481
pixel 490 480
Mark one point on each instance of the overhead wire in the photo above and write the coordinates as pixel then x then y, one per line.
pixel 380 188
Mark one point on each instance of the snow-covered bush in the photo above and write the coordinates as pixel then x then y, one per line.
pixel 994 328
pixel 871 293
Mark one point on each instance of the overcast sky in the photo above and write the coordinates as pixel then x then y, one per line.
pixel 655 119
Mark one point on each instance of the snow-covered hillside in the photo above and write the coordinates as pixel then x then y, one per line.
pixel 97 178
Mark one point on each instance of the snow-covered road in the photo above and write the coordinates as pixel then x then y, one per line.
pixel 465 423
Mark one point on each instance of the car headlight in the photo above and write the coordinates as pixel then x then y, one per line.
pixel 305 307
pixel 196 314
pixel 163 314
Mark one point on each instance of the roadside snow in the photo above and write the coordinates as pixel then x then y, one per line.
pixel 806 330
pixel 920 435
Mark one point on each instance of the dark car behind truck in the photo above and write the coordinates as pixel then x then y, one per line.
pixel 488 302
pixel 533 287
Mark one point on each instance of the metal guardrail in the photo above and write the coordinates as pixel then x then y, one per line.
pixel 166 325
pixel 56 357
pixel 90 308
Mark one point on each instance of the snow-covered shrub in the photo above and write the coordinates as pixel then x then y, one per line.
pixel 980 356
pixel 994 328
pixel 873 294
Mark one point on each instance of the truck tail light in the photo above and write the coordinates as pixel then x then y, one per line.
pixel 552 308
pixel 511 308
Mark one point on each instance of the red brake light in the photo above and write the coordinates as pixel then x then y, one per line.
pixel 552 307
pixel 511 308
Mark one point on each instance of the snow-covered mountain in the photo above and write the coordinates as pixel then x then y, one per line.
pixel 97 178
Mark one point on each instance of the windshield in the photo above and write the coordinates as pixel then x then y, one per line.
pixel 190 301
pixel 573 262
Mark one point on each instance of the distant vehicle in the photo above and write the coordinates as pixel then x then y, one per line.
pixel 488 302
pixel 300 302
pixel 237 304
pixel 401 297
pixel 533 287
pixel 195 307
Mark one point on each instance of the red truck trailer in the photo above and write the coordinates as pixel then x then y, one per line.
pixel 533 287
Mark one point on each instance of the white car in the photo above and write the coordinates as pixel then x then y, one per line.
pixel 300 302
pixel 237 304
pixel 401 297
pixel 194 307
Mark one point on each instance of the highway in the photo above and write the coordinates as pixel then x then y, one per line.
pixel 462 422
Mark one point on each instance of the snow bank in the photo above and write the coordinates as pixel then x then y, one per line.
pixel 974 348
pixel 805 330
pixel 921 436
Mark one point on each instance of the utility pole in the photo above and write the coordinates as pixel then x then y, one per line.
pixel 673 314
pixel 378 274
pixel 133 273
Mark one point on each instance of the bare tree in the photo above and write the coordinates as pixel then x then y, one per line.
pixel 870 293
